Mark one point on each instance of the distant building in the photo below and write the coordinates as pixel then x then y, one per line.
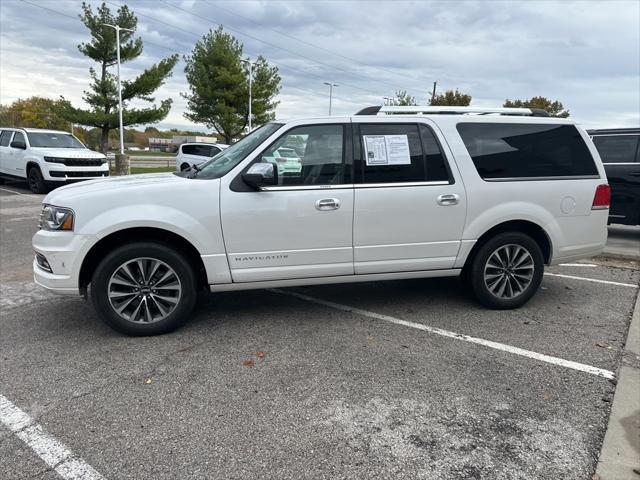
pixel 160 144
pixel 180 139
pixel 171 144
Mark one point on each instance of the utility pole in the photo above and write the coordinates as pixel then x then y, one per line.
pixel 331 85
pixel 248 62
pixel 433 93
pixel 117 28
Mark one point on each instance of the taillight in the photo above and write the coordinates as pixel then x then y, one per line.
pixel 602 198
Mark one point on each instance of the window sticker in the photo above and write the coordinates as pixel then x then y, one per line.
pixel 387 150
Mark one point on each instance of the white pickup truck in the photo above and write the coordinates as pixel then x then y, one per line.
pixel 389 193
pixel 47 158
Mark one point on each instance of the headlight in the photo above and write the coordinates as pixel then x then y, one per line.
pixel 56 218
pixel 54 160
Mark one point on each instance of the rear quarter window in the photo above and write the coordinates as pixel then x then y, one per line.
pixel 617 148
pixel 200 150
pixel 503 151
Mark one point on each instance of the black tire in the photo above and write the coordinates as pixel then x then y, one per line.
pixel 184 167
pixel 100 285
pixel 36 181
pixel 482 275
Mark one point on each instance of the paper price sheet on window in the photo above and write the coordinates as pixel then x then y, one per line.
pixel 387 150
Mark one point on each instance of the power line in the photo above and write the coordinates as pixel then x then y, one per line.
pixel 173 50
pixel 240 32
pixel 284 34
pixel 277 62
pixel 76 18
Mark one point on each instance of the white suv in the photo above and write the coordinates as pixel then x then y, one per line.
pixel 390 193
pixel 190 154
pixel 47 158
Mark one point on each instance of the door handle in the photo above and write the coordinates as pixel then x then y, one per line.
pixel 328 204
pixel 448 199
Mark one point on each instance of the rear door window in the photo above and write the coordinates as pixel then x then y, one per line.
pixel 5 138
pixel 400 153
pixel 617 148
pixel 506 151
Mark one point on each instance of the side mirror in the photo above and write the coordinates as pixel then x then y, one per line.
pixel 260 174
pixel 19 144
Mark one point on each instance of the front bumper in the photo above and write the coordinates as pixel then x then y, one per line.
pixel 61 173
pixel 64 251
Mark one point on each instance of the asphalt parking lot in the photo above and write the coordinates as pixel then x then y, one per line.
pixel 406 379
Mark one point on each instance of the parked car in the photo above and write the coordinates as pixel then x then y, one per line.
pixel 190 154
pixel 47 158
pixel 389 193
pixel 619 150
pixel 286 161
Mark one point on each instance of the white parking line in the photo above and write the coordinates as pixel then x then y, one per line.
pixel 17 193
pixel 54 453
pixel 458 336
pixel 590 265
pixel 608 282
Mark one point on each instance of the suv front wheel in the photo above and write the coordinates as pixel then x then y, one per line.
pixel 507 270
pixel 36 181
pixel 144 289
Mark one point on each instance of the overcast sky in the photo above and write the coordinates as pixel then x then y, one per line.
pixel 584 53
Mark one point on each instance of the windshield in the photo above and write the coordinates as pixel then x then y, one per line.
pixel 227 159
pixel 53 140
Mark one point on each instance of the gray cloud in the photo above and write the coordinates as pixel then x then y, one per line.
pixel 585 53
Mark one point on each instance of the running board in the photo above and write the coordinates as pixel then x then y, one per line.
pixel 298 282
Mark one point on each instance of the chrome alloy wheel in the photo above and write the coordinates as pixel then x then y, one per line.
pixel 144 290
pixel 509 271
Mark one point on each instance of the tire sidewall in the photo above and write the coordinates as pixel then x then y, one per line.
pixel 40 186
pixel 106 268
pixel 486 250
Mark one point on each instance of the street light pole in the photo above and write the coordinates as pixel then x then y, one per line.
pixel 117 28
pixel 331 85
pixel 248 62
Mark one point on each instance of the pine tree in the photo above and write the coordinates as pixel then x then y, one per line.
pixel 102 95
pixel 219 86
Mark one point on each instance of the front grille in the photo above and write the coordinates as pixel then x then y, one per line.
pixel 78 174
pixel 76 162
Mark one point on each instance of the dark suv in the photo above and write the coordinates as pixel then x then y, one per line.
pixel 619 149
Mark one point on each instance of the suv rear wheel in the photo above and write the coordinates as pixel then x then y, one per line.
pixel 506 271
pixel 36 181
pixel 144 289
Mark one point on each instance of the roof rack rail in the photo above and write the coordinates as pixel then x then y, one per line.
pixel 429 110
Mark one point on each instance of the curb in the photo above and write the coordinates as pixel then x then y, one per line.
pixel 620 454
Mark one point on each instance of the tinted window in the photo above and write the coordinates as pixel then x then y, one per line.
pixel 18 137
pixel 5 137
pixel 392 153
pixel 510 150
pixel 395 153
pixel 617 148
pixel 436 164
pixel 320 157
pixel 200 150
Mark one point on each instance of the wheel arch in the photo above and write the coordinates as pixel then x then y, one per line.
pixel 31 164
pixel 139 234
pixel 535 231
